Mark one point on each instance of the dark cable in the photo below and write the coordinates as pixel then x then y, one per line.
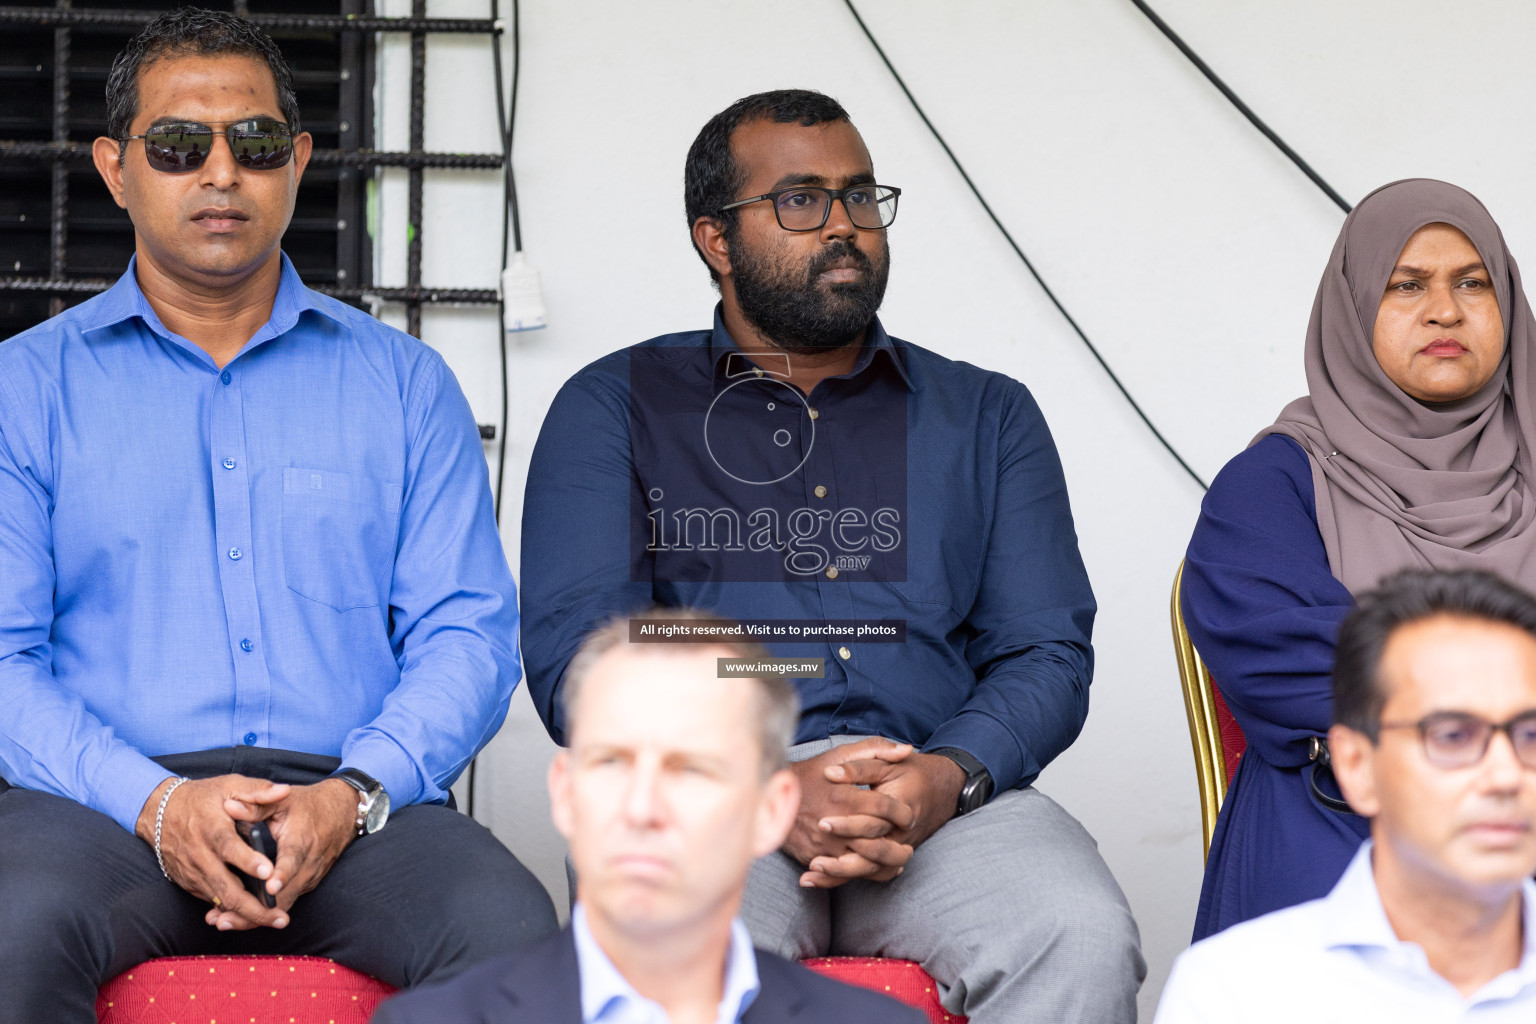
pixel 505 121
pixel 517 70
pixel 1020 252
pixel 1242 108
pixel 504 124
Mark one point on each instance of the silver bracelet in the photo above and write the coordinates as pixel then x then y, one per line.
pixel 160 820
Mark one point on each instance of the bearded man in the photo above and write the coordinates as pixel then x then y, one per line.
pixel 895 521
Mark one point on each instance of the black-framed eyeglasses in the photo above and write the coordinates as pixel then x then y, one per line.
pixel 806 207
pixel 258 144
pixel 1455 739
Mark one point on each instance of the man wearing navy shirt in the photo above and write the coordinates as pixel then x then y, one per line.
pixel 250 572
pixel 898 516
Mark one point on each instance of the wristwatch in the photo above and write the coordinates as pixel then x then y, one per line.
pixel 372 800
pixel 978 781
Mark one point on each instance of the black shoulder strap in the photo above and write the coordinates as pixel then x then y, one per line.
pixel 1322 762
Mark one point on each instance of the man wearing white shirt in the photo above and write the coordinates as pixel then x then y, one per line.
pixel 1435 741
pixel 676 779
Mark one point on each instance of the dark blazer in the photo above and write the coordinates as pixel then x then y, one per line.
pixel 540 985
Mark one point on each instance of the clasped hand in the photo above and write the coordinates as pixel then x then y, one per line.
pixel 843 832
pixel 199 842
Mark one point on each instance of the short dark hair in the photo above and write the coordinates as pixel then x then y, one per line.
pixel 778 702
pixel 1404 598
pixel 192 32
pixel 711 177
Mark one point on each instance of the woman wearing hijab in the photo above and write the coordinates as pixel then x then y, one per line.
pixel 1412 449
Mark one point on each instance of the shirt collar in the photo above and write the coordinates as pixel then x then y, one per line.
pixel 1353 910
pixel 877 343
pixel 125 300
pixel 741 983
pixel 1354 918
pixel 604 990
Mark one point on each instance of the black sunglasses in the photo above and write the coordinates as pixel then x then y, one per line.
pixel 258 144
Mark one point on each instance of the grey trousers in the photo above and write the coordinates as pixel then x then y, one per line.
pixel 1010 908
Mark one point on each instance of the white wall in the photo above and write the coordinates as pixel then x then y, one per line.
pixel 1185 245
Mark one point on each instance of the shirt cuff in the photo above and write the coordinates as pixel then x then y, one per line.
pixel 990 742
pixel 128 780
pixel 392 767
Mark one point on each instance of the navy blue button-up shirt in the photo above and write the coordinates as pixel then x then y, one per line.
pixel 913 488
pixel 296 551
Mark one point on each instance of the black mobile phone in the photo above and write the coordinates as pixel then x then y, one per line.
pixel 259 837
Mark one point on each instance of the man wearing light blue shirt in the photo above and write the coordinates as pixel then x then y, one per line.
pixel 675 780
pixel 1434 921
pixel 607 997
pixel 249 572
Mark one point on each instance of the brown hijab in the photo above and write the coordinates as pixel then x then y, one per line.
pixel 1400 483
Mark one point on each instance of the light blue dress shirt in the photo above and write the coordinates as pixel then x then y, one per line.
pixel 607 997
pixel 294 551
pixel 1337 960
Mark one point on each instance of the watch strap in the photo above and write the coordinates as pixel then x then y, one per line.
pixel 978 781
pixel 369 790
pixel 358 779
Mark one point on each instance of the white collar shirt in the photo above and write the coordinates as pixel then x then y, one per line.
pixel 607 997
pixel 1337 959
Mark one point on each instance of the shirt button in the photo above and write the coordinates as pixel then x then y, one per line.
pixel 815 415
pixel 250 739
pixel 247 646
pixel 235 553
pixel 229 463
pixel 821 492
pixel 831 572
pixel 844 653
pixel 226 377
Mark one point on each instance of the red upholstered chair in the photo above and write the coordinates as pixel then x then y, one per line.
pixel 1217 739
pixel 899 979
pixel 314 990
pixel 240 990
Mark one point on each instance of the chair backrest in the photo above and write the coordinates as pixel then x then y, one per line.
pixel 307 989
pixel 902 980
pixel 1213 732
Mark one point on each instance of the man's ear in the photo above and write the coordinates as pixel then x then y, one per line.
pixel 709 237
pixel 105 153
pixel 303 146
pixel 559 778
pixel 1354 764
pixel 776 811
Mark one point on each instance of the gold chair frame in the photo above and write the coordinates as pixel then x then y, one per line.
pixel 1200 709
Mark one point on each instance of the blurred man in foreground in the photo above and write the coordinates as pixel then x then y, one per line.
pixel 674 782
pixel 1435 742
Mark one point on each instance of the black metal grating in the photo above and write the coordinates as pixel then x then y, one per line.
pixel 62 238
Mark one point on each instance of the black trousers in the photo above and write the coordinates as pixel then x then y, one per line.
pixel 81 900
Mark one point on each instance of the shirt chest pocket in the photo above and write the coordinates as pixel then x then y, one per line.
pixel 339 533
